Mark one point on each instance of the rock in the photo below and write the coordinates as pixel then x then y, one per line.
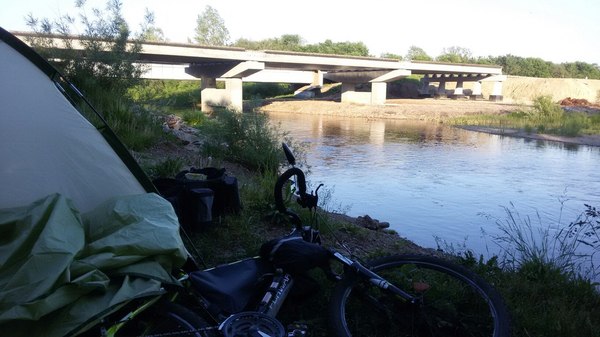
pixel 173 122
pixel 370 223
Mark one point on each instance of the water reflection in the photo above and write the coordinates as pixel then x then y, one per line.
pixel 428 179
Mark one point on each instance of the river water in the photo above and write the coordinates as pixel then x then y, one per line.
pixel 433 181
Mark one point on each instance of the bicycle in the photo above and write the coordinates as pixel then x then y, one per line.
pixel 401 295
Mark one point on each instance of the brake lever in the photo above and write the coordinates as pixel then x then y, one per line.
pixel 311 200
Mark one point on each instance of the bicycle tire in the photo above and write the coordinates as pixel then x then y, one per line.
pixel 168 319
pixel 455 302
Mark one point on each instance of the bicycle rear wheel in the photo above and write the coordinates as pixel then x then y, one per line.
pixel 451 301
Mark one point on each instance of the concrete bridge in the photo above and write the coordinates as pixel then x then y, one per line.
pixel 236 65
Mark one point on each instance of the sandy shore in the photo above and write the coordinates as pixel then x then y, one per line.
pixel 415 109
pixel 420 109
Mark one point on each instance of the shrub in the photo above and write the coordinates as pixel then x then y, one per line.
pixel 245 138
pixel 544 109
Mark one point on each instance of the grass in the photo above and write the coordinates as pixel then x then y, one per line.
pixel 544 276
pixel 544 117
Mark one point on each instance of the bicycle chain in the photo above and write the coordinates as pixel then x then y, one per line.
pixel 174 333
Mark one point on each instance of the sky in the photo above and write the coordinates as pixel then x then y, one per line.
pixel 554 30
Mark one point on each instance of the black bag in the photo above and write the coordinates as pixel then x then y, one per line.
pixel 193 206
pixel 294 255
pixel 225 188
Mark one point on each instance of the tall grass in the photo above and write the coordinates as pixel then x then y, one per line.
pixel 545 116
pixel 525 240
pixel 135 126
pixel 545 275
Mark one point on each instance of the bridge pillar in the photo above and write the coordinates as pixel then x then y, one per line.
pixel 441 91
pixel 378 93
pixel 350 95
pixel 230 97
pixel 208 87
pixel 424 88
pixel 496 95
pixel 458 90
pixel 317 79
pixel 476 92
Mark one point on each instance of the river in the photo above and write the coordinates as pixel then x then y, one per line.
pixel 434 183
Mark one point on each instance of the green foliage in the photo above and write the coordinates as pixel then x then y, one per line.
pixel 166 93
pixel 536 67
pixel 211 29
pixel 391 56
pixel 109 55
pixel 167 168
pixel 417 54
pixel 295 43
pixel 545 109
pixel 541 267
pixel 245 138
pixel 266 90
pixel 106 71
pixel 149 31
pixel 546 116
pixel 455 54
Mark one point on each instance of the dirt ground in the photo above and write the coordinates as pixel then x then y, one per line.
pixel 415 109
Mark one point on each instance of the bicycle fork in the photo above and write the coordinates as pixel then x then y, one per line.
pixel 375 279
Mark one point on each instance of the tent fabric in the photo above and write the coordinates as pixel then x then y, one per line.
pixel 47 146
pixel 61 269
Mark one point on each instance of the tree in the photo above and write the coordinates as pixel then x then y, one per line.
pixel 391 56
pixel 149 32
pixel 455 54
pixel 417 54
pixel 210 29
pixel 108 55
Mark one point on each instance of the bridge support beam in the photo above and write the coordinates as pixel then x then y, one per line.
pixel 476 91
pixel 424 88
pixel 377 96
pixel 441 90
pixel 230 97
pixel 496 95
pixel 458 90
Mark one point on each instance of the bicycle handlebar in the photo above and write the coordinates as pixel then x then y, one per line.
pixel 281 180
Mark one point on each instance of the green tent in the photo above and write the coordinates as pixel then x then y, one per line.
pixel 81 231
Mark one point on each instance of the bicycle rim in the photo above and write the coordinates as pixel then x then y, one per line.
pixel 451 302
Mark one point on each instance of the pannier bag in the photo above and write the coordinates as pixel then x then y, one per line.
pixel 199 195
pixel 225 188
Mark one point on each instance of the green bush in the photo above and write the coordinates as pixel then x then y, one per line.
pixel 246 138
pixel 167 168
pixel 544 109
pixel 166 93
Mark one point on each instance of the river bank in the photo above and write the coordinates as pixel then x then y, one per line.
pixel 438 110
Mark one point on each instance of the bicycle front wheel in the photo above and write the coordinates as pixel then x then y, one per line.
pixel 450 301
